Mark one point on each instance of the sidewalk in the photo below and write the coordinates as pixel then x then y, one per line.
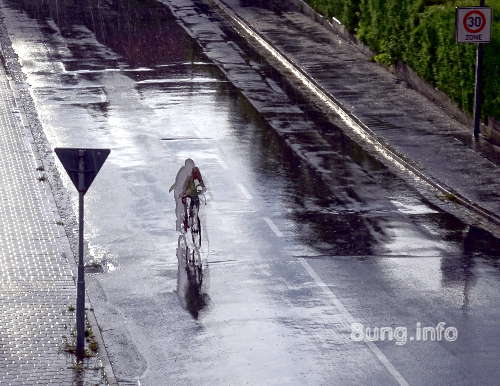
pixel 405 122
pixel 36 281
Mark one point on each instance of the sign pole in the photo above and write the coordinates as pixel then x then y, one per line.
pixel 474 25
pixel 82 166
pixel 478 87
pixel 478 90
pixel 80 289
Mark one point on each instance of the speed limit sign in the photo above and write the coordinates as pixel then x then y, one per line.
pixel 473 25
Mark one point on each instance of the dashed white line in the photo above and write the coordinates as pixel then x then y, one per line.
pixel 244 191
pixel 273 227
pixel 349 319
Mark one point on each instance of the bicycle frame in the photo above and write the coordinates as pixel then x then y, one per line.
pixel 191 218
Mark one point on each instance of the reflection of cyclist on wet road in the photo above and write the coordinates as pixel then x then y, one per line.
pixel 188 183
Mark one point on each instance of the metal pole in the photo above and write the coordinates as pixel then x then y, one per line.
pixel 478 88
pixel 80 289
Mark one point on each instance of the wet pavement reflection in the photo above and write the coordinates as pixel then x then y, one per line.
pixel 123 74
pixel 192 278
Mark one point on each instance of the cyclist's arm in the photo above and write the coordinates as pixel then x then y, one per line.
pixel 197 176
pixel 202 185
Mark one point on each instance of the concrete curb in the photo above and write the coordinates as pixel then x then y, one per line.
pixel 103 353
pixel 356 125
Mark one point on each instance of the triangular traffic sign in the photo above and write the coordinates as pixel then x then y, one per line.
pixel 77 160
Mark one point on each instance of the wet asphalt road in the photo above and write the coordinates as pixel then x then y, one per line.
pixel 290 260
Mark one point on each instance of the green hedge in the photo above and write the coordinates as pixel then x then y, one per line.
pixel 421 33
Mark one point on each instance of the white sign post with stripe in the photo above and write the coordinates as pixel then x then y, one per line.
pixel 473 25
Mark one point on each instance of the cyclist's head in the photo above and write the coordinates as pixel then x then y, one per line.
pixel 189 163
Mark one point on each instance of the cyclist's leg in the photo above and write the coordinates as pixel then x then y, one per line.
pixel 185 221
pixel 179 209
pixel 191 205
pixel 198 225
pixel 193 212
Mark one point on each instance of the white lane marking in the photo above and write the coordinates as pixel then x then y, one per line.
pixel 244 191
pixel 349 319
pixel 273 226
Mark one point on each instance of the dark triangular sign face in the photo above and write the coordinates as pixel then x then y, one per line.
pixel 82 165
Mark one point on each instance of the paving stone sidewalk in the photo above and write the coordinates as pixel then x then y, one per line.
pixel 36 281
pixel 436 144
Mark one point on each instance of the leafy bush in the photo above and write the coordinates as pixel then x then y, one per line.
pixel 385 59
pixel 421 33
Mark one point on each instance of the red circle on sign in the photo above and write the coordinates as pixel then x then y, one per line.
pixel 478 29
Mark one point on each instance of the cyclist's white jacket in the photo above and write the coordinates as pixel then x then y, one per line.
pixel 178 187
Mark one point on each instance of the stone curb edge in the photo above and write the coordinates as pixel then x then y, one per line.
pixel 103 353
pixel 63 241
pixel 355 124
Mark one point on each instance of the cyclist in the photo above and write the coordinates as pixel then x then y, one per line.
pixel 188 183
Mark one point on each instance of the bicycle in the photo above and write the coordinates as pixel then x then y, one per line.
pixel 191 273
pixel 191 219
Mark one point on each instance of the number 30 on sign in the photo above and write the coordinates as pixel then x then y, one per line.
pixel 473 25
